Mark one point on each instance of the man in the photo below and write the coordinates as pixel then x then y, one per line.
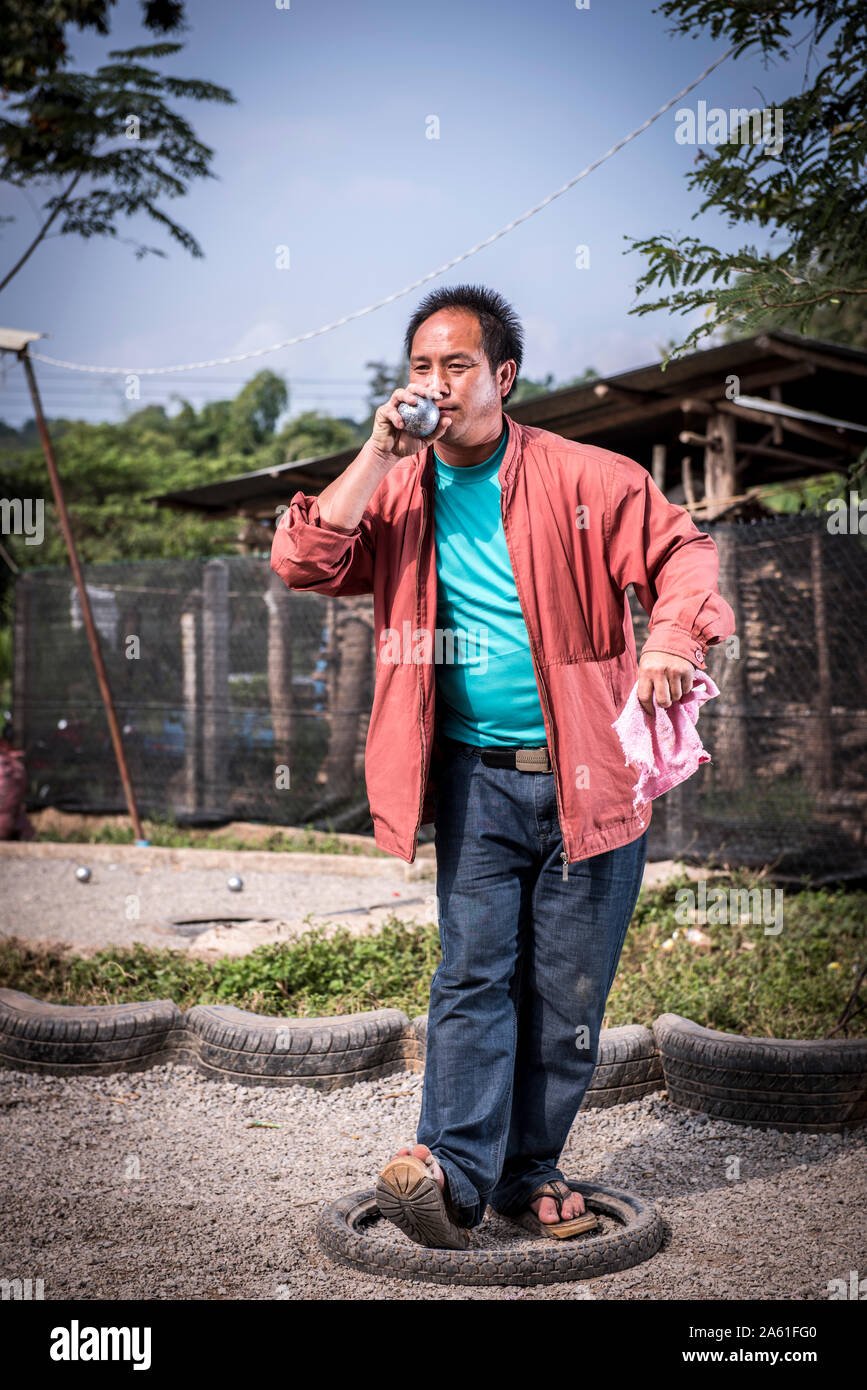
pixel 527 540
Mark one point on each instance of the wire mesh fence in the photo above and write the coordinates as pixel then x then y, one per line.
pixel 240 699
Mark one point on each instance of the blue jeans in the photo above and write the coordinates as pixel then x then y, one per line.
pixel 517 1003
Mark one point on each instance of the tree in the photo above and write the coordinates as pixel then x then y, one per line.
pixel 526 388
pixel 35 41
pixel 255 411
pixel 806 186
pixel 837 323
pixel 311 435
pixel 114 128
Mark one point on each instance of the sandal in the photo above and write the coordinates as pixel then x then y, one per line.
pixel 561 1229
pixel 408 1194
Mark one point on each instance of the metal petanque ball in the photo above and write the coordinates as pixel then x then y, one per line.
pixel 420 419
pixel 82 873
pixel 235 883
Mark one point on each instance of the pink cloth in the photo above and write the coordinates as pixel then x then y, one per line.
pixel 666 749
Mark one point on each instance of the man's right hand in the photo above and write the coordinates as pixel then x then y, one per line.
pixel 389 435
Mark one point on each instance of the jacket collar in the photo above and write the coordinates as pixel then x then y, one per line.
pixel 508 467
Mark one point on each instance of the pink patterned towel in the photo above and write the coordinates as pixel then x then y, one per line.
pixel 666 749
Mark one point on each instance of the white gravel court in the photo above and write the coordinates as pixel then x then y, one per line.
pixel 151 1185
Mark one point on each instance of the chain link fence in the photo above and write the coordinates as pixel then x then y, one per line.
pixel 240 699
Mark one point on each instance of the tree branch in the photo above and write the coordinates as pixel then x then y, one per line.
pixel 40 234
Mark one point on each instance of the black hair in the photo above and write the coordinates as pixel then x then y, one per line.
pixel 502 334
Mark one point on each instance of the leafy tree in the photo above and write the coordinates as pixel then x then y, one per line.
pixel 810 192
pixel 35 38
pixel 526 388
pixel 310 435
pixel 254 412
pixel 114 129
pixel 837 323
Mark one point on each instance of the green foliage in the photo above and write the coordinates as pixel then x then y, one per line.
pixel 835 322
pixel 526 388
pixel 109 472
pixel 810 192
pixel 116 130
pixel 35 38
pixel 311 435
pixel 163 832
pixel 794 984
pixel 343 974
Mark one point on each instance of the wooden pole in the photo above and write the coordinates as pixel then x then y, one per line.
pixel 658 466
pixel 720 472
pixel 686 475
pixel 821 773
pixel 84 599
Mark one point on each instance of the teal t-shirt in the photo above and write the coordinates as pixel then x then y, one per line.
pixel 486 686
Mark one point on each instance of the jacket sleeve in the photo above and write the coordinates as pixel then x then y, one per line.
pixel 308 553
pixel 674 567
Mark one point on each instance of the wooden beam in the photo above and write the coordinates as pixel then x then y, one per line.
pixel 783 456
pixel 603 389
pixel 765 439
pixel 701 441
pixel 818 359
pixel 776 395
pixel 617 415
pixel 833 439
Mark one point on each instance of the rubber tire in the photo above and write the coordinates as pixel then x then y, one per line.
pixel 818 1086
pixel 66 1040
pixel 346 1232
pixel 231 1044
pixel 628 1066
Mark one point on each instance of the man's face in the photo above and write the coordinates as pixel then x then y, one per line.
pixel 447 356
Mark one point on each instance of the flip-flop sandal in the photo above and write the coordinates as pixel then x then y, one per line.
pixel 408 1194
pixel 559 1230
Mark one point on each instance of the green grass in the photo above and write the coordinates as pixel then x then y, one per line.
pixel 164 833
pixel 793 985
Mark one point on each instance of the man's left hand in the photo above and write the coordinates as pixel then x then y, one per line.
pixel 666 676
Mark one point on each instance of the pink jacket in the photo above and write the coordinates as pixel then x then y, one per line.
pixel 581 523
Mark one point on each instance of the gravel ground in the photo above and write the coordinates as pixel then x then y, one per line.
pixel 42 901
pixel 151 1185
pixel 183 902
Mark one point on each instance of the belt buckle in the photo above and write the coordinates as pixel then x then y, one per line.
pixel 532 760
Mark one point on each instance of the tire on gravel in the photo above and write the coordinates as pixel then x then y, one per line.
pixel 766 1083
pixel 68 1040
pixel 627 1064
pixel 627 1067
pixel 347 1232
pixel 231 1044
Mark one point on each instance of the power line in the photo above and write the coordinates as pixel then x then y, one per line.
pixel 369 309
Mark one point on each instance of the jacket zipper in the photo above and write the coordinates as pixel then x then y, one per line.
pixel 541 683
pixel 420 702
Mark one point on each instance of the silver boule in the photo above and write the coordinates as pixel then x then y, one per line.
pixel 235 884
pixel 82 873
pixel 420 419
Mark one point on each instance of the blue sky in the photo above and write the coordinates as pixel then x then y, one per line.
pixel 325 152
